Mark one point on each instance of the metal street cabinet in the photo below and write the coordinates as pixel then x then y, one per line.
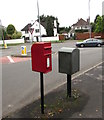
pixel 41 56
pixel 69 60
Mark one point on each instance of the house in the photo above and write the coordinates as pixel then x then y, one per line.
pixel 36 32
pixel 25 31
pixel 0 23
pixel 1 26
pixel 81 25
pixel 31 31
pixel 1 30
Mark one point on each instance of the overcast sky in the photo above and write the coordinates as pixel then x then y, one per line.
pixel 21 12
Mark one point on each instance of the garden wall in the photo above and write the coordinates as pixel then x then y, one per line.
pixel 12 41
pixel 83 36
pixel 47 39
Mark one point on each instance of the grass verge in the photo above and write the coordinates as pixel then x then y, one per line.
pixel 80 40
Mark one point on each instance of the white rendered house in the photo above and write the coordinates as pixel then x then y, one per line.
pixel 32 31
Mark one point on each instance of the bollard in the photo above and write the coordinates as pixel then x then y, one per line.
pixel 5 45
pixel 24 52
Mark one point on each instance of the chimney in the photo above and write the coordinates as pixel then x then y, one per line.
pixel 32 22
pixel 88 20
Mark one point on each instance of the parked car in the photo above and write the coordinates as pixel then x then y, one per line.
pixel 90 42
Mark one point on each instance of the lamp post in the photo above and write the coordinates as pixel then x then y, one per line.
pixel 89 21
pixel 39 19
pixel 103 8
pixel 2 34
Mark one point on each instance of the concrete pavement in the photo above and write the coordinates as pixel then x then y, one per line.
pixel 86 101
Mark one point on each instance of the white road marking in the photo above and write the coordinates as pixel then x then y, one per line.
pixel 10 59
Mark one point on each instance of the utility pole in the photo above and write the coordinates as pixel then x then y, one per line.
pixel 2 33
pixel 39 20
pixel 89 21
pixel 103 8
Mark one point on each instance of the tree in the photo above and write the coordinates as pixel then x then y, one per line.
pixel 43 18
pixel 5 36
pixel 64 29
pixel 92 27
pixel 93 24
pixel 0 33
pixel 103 23
pixel 49 23
pixel 96 18
pixel 49 28
pixel 10 29
pixel 12 33
pixel 99 27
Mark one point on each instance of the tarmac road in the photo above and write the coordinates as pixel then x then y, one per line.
pixel 20 85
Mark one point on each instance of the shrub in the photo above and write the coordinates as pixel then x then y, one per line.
pixel 16 35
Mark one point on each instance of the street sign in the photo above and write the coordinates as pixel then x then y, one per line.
pixel 31 30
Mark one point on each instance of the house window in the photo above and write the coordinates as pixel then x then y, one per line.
pixel 26 31
pixel 86 27
pixel 78 27
pixel 37 30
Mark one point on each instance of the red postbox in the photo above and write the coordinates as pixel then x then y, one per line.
pixel 41 55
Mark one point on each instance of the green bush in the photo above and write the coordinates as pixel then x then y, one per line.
pixel 16 35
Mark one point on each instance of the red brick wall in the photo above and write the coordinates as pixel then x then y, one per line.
pixel 83 36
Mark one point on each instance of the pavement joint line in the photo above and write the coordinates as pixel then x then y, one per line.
pixel 10 59
pixel 78 75
pixel 87 70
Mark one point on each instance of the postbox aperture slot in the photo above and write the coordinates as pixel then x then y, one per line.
pixel 47 54
pixel 47 48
